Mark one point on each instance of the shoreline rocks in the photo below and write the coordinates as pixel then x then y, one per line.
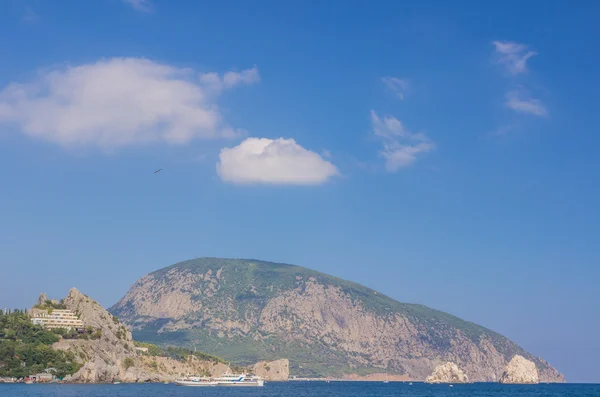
pixel 520 371
pixel 447 373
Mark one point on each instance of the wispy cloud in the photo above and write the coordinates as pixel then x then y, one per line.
pixel 273 161
pixel 118 102
pixel 513 56
pixel 30 16
pixel 396 85
pixel 400 146
pixel 218 82
pixel 518 101
pixel 140 5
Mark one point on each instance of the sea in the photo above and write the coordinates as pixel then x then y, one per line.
pixel 304 389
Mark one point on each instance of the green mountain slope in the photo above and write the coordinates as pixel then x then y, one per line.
pixel 249 310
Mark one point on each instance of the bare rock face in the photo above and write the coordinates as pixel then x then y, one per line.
pixel 42 299
pixel 520 370
pixel 278 370
pixel 447 373
pixel 113 356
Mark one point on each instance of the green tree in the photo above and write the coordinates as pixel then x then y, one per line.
pixel 128 362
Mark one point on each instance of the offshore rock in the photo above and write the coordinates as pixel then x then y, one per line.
pixel 520 370
pixel 447 373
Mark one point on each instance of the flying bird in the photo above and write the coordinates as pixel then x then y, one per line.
pixel 158 170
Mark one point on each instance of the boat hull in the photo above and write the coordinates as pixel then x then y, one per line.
pixel 195 384
pixel 242 384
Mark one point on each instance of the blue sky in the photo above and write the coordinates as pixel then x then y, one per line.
pixel 443 153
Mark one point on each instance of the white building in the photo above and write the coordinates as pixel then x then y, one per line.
pixel 55 318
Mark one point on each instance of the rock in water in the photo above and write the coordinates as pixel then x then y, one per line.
pixel 520 370
pixel 447 373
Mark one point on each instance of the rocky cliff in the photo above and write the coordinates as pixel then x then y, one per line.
pixel 113 355
pixel 520 370
pixel 249 310
pixel 447 373
pixel 278 370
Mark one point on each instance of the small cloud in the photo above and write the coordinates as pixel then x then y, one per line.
pixel 396 85
pixel 519 102
pixel 140 5
pixel 273 161
pixel 513 56
pixel 30 16
pixel 400 146
pixel 398 155
pixel 116 102
pixel 230 79
pixel 389 127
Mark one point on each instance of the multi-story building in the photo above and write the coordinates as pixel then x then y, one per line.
pixel 56 318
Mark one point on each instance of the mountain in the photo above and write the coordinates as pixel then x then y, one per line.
pixel 249 310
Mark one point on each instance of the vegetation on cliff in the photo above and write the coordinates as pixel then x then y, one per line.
pixel 25 349
pixel 176 353
pixel 50 305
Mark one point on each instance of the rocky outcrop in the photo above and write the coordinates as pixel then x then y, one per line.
pixel 42 299
pixel 249 310
pixel 278 370
pixel 113 356
pixel 447 373
pixel 520 370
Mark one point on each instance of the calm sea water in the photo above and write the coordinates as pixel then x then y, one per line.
pixel 305 389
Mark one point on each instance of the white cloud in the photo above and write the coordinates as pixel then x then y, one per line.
pixel 396 85
pixel 118 102
pixel 140 5
pixel 519 102
pixel 512 55
pixel 273 161
pixel 230 79
pixel 398 155
pixel 400 146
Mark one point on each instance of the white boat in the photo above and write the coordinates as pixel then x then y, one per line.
pixel 195 381
pixel 239 380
